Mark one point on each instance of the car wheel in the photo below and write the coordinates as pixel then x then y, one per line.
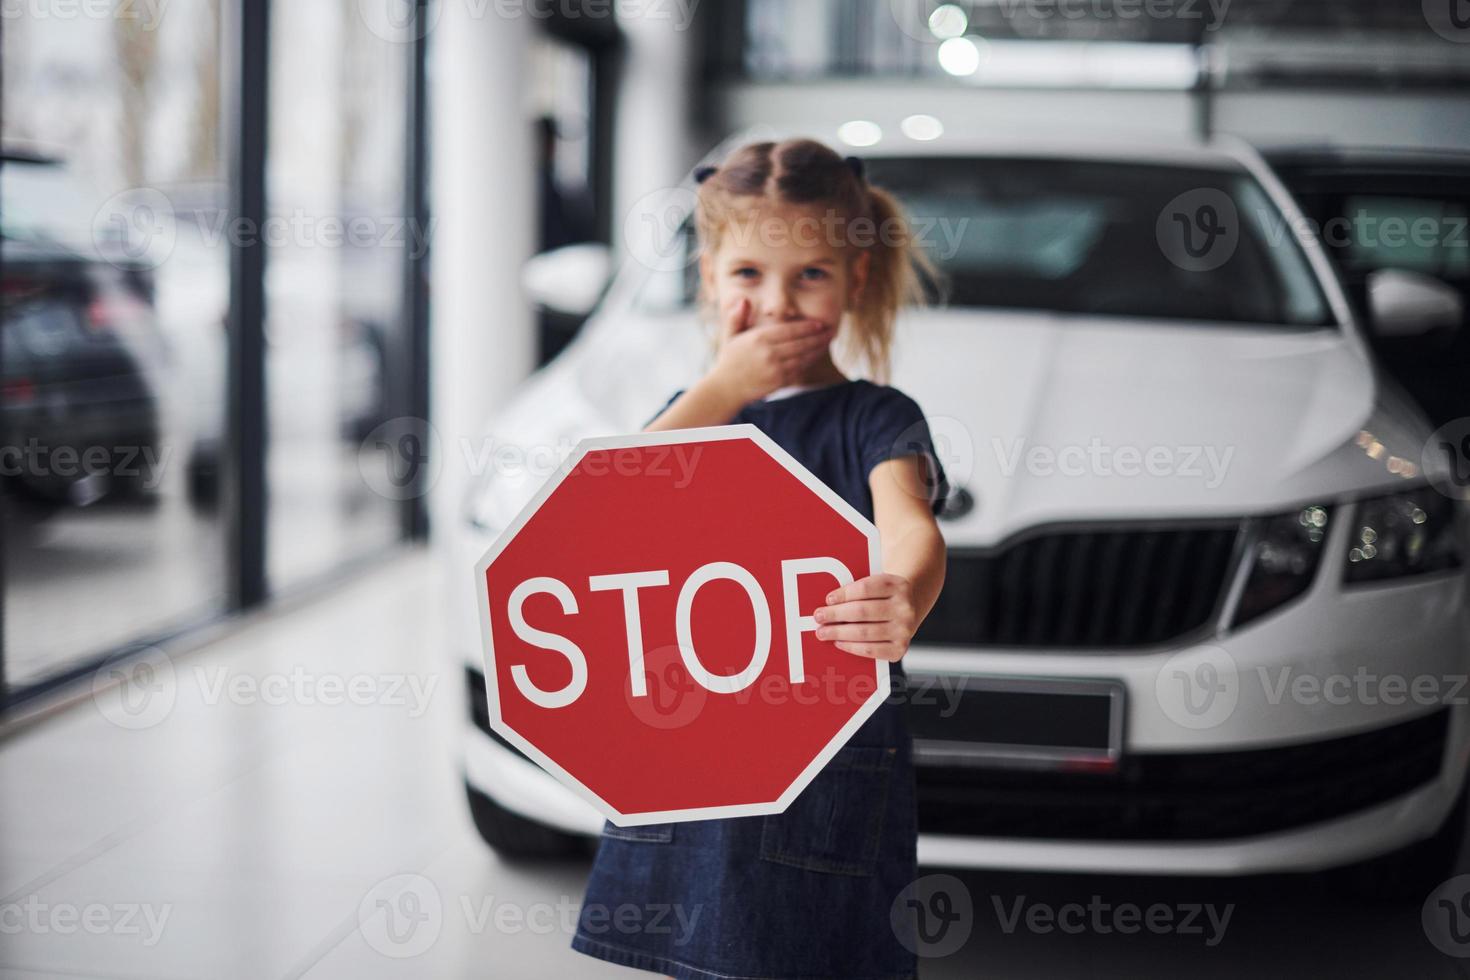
pixel 1409 874
pixel 514 837
pixel 26 516
pixel 203 481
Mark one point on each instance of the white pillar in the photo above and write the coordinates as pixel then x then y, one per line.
pixel 655 142
pixel 483 198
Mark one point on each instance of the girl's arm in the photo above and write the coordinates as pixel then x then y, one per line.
pixel 710 401
pixel 878 615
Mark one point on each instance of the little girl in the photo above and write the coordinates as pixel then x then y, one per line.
pixel 798 250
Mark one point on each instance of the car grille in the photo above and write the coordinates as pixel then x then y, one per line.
pixel 1118 587
pixel 1194 796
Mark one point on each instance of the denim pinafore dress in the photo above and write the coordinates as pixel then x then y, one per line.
pixel 807 893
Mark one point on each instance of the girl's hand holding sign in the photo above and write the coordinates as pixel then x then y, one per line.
pixel 876 616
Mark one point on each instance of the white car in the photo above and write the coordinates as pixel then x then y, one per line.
pixel 1205 611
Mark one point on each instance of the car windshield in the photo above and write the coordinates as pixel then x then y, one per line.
pixel 1114 238
pixel 1101 238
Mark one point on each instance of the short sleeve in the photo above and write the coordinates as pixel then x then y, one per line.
pixel 672 399
pixel 892 425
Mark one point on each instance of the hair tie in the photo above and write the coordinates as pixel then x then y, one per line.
pixel 704 173
pixel 856 163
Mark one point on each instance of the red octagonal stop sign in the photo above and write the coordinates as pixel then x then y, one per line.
pixel 648 632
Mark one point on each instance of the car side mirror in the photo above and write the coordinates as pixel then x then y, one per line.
pixel 569 279
pixel 1409 304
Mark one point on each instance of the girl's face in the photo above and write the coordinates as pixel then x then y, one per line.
pixel 788 263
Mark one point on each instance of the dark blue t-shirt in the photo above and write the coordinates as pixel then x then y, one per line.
pixel 840 432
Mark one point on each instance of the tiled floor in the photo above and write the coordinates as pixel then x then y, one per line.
pixel 250 808
pixel 144 568
pixel 244 822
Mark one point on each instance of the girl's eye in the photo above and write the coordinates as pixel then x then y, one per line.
pixel 816 273
pixel 741 273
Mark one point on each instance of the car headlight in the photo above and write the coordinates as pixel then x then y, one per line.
pixel 1402 534
pixel 1287 553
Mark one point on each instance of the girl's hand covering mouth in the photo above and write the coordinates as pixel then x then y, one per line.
pixel 755 360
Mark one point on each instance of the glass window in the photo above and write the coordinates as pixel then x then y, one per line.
pixel 113 341
pixel 337 238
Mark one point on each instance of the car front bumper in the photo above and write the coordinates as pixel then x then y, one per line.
pixel 1347 736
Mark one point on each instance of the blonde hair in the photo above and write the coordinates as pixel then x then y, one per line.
pixel 807 174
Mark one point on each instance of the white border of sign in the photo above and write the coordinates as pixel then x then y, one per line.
pixel 669 437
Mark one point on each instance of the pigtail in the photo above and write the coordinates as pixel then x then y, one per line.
pixel 898 271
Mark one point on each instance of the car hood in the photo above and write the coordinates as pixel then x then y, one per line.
pixel 1048 419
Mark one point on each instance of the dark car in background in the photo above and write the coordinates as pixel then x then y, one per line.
pixel 1406 211
pixel 79 409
